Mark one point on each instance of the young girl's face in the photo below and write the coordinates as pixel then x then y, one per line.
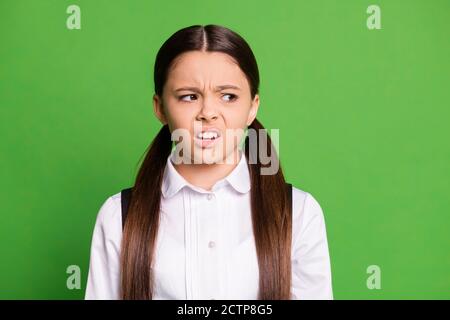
pixel 207 90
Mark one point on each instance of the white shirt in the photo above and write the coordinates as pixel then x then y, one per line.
pixel 205 244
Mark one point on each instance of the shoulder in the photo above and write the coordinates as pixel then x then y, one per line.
pixel 305 209
pixel 109 216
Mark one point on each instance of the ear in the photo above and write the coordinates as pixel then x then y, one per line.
pixel 158 109
pixel 253 110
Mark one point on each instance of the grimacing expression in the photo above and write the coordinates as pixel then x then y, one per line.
pixel 207 90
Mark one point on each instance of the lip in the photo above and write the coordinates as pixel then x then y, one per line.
pixel 206 143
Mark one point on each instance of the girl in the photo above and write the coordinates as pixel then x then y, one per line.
pixel 204 221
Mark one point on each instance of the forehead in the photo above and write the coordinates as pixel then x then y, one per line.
pixel 205 68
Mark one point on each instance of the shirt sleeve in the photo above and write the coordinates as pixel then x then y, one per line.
pixel 311 270
pixel 103 277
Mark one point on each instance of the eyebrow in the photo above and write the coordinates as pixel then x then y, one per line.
pixel 218 88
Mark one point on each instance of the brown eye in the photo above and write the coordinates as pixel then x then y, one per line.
pixel 187 97
pixel 231 97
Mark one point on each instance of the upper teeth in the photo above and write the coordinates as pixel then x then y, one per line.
pixel 207 135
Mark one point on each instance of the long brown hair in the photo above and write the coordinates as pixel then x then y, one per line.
pixel 271 217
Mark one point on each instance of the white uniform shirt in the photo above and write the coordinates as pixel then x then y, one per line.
pixel 205 244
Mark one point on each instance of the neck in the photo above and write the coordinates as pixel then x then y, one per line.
pixel 206 175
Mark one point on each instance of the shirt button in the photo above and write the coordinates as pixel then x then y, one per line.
pixel 210 196
pixel 211 244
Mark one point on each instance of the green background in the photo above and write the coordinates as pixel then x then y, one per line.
pixel 363 117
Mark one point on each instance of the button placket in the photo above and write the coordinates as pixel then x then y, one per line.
pixel 211 243
pixel 211 246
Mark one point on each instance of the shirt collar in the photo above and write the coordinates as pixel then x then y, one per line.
pixel 238 178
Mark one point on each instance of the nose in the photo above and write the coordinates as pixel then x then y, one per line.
pixel 207 112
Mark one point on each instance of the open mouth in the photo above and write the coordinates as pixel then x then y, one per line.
pixel 208 135
pixel 207 138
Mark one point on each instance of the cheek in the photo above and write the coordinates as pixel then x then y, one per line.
pixel 237 117
pixel 180 117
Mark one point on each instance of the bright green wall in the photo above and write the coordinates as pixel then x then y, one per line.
pixel 363 117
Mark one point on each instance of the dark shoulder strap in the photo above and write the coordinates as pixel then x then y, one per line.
pixel 289 187
pixel 125 195
pixel 289 194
